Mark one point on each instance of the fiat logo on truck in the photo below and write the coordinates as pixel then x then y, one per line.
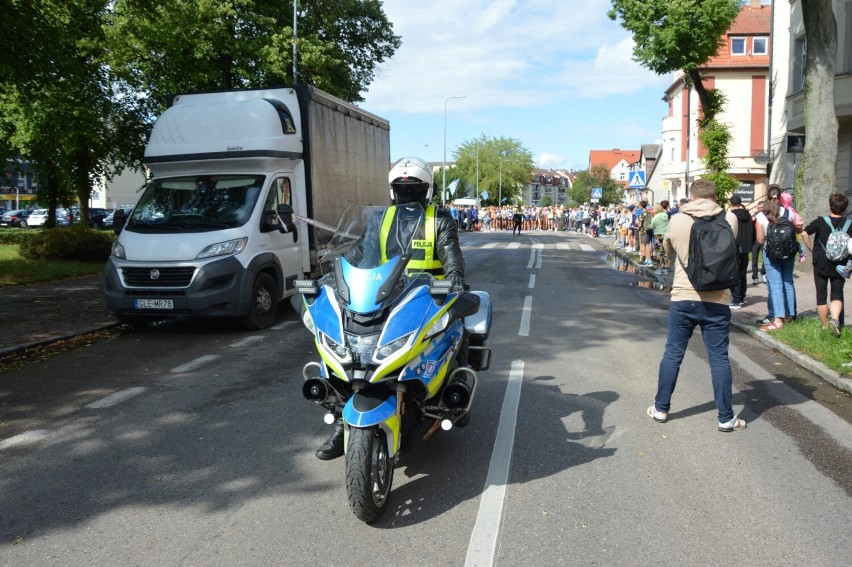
pixel 155 274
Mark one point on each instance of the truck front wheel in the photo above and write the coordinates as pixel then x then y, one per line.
pixel 263 304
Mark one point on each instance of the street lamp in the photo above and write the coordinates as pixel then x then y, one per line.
pixel 500 196
pixel 444 169
pixel 477 172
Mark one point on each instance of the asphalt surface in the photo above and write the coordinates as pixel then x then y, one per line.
pixel 40 314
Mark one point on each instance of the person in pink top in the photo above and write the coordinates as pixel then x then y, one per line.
pixel 786 201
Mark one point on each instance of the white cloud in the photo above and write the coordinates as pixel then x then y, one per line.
pixel 502 54
pixel 550 161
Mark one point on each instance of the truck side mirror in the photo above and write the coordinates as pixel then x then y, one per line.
pixel 119 217
pixel 285 221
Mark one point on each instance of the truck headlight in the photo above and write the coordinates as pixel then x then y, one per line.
pixel 118 250
pixel 227 248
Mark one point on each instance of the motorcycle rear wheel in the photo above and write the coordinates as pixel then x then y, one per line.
pixel 369 473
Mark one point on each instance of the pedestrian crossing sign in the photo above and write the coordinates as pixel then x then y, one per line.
pixel 637 180
pixel 597 193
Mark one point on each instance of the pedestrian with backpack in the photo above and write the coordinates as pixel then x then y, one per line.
pixel 745 241
pixel 827 237
pixel 703 239
pixel 777 233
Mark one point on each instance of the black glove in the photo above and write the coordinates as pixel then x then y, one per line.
pixel 458 282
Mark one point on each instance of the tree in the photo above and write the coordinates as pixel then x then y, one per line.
pixel 62 112
pixel 163 48
pixel 503 162
pixel 817 173
pixel 682 35
pixel 598 176
pixel 79 93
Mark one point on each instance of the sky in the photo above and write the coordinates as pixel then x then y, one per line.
pixel 556 75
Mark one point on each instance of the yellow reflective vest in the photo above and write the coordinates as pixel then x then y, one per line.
pixel 423 258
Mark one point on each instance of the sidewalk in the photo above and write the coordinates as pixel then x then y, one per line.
pixel 40 314
pixel 754 309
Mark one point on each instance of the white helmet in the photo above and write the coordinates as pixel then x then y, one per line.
pixel 410 179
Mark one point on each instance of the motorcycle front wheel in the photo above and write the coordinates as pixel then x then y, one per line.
pixel 369 473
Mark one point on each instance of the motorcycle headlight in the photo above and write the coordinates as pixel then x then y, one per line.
pixel 438 325
pixel 386 350
pixel 362 347
pixel 308 320
pixel 339 350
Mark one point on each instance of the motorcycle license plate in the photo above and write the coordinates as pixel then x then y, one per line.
pixel 154 304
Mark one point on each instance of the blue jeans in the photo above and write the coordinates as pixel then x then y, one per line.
pixel 782 294
pixel 715 322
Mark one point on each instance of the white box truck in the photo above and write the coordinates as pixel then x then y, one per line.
pixel 220 230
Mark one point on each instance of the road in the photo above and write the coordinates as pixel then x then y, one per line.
pixel 190 444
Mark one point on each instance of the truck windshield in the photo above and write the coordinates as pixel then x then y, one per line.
pixel 197 203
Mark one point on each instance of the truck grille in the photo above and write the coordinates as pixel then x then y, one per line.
pixel 158 277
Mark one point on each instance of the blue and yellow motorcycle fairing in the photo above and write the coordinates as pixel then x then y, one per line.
pixel 388 343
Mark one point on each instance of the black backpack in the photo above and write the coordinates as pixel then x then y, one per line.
pixel 780 242
pixel 712 254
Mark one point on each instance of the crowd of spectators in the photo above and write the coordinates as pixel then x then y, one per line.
pixel 640 229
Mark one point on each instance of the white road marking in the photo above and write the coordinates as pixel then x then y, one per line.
pixel 483 539
pixel 563 246
pixel 532 281
pixel 193 364
pixel 246 341
pixel 587 248
pixel 116 398
pixel 513 245
pixel 491 245
pixel 524 331
pixel 24 438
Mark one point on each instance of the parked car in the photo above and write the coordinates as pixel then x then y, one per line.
pixel 96 216
pixel 39 217
pixel 15 218
pixel 108 220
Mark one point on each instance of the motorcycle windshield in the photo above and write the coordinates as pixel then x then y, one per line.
pixel 368 253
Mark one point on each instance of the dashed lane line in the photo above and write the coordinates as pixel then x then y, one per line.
pixel 486 531
pixel 116 398
pixel 193 364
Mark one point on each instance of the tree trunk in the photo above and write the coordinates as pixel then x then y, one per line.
pixel 818 176
pixel 701 91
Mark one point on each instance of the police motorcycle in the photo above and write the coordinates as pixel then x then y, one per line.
pixel 388 341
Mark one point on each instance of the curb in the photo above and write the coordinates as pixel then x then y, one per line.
pixel 832 377
pixel 16 349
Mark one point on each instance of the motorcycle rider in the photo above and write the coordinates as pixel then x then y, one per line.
pixel 410 181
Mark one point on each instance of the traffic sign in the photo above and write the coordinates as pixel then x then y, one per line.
pixel 597 193
pixel 637 180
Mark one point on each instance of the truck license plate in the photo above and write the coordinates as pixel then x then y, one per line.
pixel 155 304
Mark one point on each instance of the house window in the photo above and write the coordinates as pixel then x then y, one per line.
pixel 758 46
pixel 738 46
pixel 797 80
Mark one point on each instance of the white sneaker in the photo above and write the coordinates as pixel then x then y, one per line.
pixel 659 416
pixel 735 424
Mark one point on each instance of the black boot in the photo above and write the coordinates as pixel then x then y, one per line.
pixel 333 446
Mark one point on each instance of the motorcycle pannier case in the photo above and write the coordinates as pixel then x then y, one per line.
pixel 479 326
